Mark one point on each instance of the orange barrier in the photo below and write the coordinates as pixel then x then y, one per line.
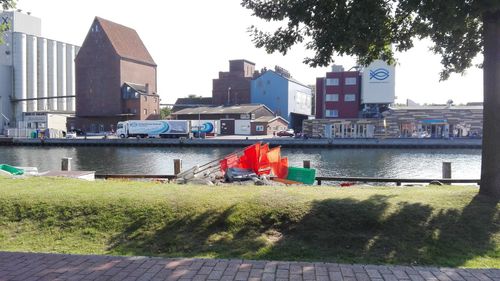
pixel 260 159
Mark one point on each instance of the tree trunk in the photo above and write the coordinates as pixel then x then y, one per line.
pixel 490 168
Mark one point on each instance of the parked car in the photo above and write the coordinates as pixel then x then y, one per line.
pixel 287 133
pixel 79 132
pixel 71 135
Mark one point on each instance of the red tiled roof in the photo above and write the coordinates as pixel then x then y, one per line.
pixel 126 41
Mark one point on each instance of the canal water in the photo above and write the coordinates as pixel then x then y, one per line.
pixel 399 163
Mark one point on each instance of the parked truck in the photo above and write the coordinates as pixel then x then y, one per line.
pixel 153 128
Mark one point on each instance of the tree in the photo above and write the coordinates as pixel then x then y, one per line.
pixel 5 4
pixel 165 112
pixel 373 29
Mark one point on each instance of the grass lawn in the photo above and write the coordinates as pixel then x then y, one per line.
pixel 445 226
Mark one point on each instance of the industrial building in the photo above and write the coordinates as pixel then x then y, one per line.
pixel 358 104
pixel 355 94
pixel 446 121
pixel 338 94
pixel 233 87
pixel 284 95
pixel 116 79
pixel 37 77
pixel 246 119
pixel 189 102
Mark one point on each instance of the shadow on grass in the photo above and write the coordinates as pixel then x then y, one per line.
pixel 340 230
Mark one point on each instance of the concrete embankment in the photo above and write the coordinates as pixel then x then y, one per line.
pixel 301 143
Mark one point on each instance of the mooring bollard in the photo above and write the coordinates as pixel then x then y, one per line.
pixel 177 166
pixel 66 164
pixel 446 170
pixel 307 164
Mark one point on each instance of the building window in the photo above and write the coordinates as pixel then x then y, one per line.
pixel 332 81
pixel 155 100
pixel 332 97
pixel 332 113
pixel 259 128
pixel 145 98
pixel 155 112
pixel 350 97
pixel 145 112
pixel 350 81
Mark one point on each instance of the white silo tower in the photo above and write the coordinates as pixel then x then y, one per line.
pixel 42 74
pixel 61 76
pixel 31 57
pixel 52 74
pixel 19 62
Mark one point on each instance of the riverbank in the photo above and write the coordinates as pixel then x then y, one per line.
pixel 445 226
pixel 284 142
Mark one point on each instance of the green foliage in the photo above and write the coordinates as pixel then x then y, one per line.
pixel 165 112
pixel 444 226
pixel 5 4
pixel 373 29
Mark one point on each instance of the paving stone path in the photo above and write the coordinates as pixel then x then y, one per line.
pixel 31 267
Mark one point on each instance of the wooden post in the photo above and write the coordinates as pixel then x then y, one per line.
pixel 307 164
pixel 66 164
pixel 177 166
pixel 446 170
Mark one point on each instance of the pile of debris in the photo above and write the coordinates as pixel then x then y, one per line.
pixel 256 164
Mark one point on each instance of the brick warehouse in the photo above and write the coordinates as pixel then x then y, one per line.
pixel 233 87
pixel 115 79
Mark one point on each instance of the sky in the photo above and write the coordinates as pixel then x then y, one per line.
pixel 191 41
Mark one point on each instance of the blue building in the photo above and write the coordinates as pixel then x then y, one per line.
pixel 284 95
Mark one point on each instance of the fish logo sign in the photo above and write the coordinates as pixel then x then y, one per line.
pixel 379 74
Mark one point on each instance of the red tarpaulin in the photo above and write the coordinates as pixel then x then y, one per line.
pixel 252 155
pixel 260 159
pixel 264 165
pixel 283 170
pixel 274 158
pixel 230 161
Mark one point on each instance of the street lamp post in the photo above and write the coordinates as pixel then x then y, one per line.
pixel 228 95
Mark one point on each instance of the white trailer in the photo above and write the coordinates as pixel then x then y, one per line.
pixel 153 128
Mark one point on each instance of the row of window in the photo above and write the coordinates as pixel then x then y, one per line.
pixel 146 99
pixel 335 97
pixel 349 81
pixel 145 111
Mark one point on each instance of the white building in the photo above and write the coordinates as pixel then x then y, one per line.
pixel 37 75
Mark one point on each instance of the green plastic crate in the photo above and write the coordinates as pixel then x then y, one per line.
pixel 307 176
pixel 12 170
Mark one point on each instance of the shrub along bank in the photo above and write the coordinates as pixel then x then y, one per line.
pixel 446 226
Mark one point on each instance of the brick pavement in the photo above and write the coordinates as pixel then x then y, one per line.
pixel 31 267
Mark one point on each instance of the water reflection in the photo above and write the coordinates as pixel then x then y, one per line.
pixel 418 163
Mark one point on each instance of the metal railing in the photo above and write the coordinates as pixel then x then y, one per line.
pixel 319 180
